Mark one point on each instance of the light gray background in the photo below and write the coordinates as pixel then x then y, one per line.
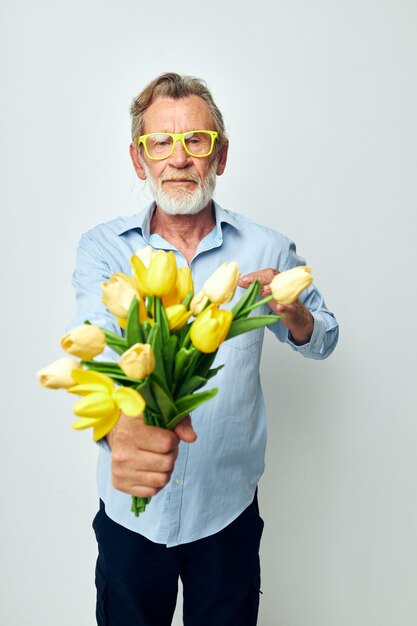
pixel 320 103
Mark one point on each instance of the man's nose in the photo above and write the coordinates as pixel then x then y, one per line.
pixel 179 157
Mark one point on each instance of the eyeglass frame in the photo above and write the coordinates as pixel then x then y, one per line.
pixel 179 137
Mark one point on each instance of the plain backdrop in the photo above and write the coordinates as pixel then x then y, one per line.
pixel 320 103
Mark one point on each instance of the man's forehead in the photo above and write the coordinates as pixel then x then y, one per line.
pixel 177 115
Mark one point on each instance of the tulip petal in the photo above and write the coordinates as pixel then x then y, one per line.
pixel 129 401
pixel 85 341
pixel 122 321
pixel 162 274
pixel 57 375
pixel 140 273
pixel 118 293
pixel 103 428
pixel 97 405
pixel 146 255
pixel 85 422
pixel 87 377
pixel 177 316
pixel 85 390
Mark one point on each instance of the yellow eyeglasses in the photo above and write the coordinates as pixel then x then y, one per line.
pixel 196 143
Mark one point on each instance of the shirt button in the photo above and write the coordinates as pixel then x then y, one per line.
pixel 178 480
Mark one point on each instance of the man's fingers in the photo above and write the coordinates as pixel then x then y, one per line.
pixel 264 276
pixel 185 431
pixel 132 432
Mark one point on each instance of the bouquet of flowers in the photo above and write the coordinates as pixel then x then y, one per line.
pixel 167 344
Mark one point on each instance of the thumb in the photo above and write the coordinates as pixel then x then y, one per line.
pixel 185 431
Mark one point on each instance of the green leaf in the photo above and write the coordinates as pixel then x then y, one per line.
pixel 161 319
pixel 247 299
pixel 166 406
pixel 246 324
pixel 182 333
pixel 188 298
pixel 154 339
pixel 191 364
pixel 145 389
pixel 169 350
pixel 133 330
pixel 190 385
pixel 189 403
pixel 146 329
pixel 181 359
pixel 205 362
pixel 213 372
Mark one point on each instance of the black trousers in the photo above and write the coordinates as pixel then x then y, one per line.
pixel 137 580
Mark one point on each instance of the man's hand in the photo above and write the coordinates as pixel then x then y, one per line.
pixel 143 457
pixel 297 318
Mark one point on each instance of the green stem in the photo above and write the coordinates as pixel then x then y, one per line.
pixel 149 306
pixel 187 339
pixel 256 305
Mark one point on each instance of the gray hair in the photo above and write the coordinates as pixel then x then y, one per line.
pixel 171 85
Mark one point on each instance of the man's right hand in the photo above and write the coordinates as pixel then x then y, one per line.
pixel 143 457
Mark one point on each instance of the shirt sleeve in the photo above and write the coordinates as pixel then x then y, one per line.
pixel 325 331
pixel 91 270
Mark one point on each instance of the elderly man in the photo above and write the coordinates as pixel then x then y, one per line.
pixel 203 523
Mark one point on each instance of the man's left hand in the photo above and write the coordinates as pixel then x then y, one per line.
pixel 296 317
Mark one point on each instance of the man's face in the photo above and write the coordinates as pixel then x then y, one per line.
pixel 180 184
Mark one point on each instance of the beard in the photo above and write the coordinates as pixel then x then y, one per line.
pixel 181 200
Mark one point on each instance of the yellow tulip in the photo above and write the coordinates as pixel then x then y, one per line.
pixel 102 403
pixel 184 282
pixel 159 278
pixel 162 274
pixel 210 328
pixel 140 272
pixel 138 361
pixel 118 293
pixel 183 286
pixel 57 375
pixel 178 315
pixel 85 341
pixel 221 286
pixel 146 255
pixel 198 303
pixel 288 285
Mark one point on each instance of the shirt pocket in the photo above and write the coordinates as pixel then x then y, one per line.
pixel 238 381
pixel 246 340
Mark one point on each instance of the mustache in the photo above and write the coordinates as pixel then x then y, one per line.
pixel 181 176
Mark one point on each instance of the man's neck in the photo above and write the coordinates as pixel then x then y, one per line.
pixel 184 231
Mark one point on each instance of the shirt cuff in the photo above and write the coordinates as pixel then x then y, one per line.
pixel 104 444
pixel 316 340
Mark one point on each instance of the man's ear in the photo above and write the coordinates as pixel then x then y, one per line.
pixel 134 155
pixel 222 159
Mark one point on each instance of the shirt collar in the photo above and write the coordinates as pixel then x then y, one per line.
pixel 142 221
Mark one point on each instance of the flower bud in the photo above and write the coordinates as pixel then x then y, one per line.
pixel 138 361
pixel 146 255
pixel 118 293
pixel 162 274
pixel 183 286
pixel 198 303
pixel 177 315
pixel 287 286
pixel 221 286
pixel 210 328
pixel 184 283
pixel 85 341
pixel 57 375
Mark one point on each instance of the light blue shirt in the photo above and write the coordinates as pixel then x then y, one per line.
pixel 215 478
